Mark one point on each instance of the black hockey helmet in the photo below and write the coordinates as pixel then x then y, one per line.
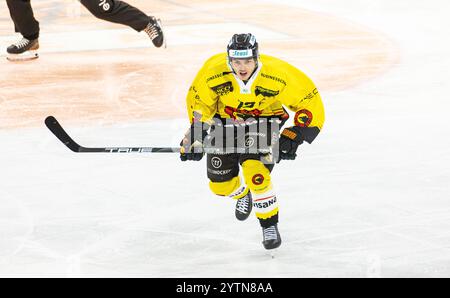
pixel 243 46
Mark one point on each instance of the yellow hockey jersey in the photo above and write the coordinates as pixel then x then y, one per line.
pixel 217 91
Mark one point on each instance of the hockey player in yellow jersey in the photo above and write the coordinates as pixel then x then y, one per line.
pixel 239 100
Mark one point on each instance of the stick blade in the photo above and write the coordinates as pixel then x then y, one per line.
pixel 56 128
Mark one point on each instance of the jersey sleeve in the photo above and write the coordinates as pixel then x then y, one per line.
pixel 201 101
pixel 301 96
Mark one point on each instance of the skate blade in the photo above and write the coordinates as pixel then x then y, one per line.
pixel 30 55
pixel 272 253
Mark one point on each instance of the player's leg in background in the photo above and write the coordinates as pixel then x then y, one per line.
pixel 24 22
pixel 22 15
pixel 265 203
pixel 123 13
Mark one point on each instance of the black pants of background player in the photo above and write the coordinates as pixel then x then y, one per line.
pixel 109 10
pixel 23 18
pixel 117 12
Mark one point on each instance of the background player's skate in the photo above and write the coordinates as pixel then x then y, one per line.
pixel 155 32
pixel 121 12
pixel 25 23
pixel 113 11
pixel 23 50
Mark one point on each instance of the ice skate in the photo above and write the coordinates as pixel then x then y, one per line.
pixel 23 50
pixel 271 237
pixel 155 32
pixel 244 207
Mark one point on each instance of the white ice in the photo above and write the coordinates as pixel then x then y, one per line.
pixel 369 198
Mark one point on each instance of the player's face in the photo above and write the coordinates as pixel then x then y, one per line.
pixel 243 67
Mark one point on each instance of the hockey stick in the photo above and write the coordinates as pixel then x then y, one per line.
pixel 56 128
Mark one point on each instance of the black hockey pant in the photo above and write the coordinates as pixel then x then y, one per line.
pixel 117 12
pixel 23 18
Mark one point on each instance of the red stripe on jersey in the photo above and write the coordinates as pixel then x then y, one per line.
pixel 263 199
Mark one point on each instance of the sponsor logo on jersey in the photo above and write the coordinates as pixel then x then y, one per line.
pixel 258 179
pixel 273 78
pixel 303 118
pixel 219 172
pixel 310 95
pixel 265 92
pixel 249 142
pixel 216 162
pixel 238 192
pixel 216 76
pixel 265 203
pixel 223 89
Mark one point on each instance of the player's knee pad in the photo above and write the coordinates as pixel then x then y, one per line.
pixel 232 188
pixel 99 8
pixel 256 175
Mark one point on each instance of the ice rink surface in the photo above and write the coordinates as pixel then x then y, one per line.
pixel 369 198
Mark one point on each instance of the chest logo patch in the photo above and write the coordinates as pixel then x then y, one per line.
pixel 223 89
pixel 265 92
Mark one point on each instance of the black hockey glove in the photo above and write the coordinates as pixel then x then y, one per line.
pixel 192 143
pixel 290 139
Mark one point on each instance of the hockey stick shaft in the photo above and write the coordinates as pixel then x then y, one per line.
pixel 56 128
